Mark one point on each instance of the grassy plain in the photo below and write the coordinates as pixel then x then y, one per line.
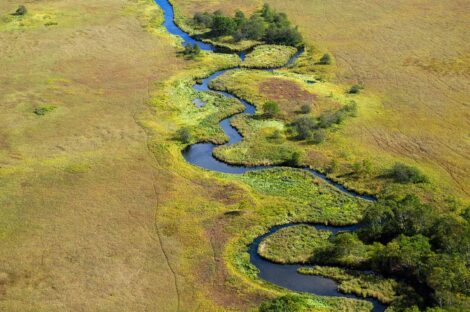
pixel 78 183
pixel 413 56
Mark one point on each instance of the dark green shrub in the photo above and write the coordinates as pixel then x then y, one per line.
pixel 276 135
pixel 239 18
pixel 318 136
pixel 254 28
pixel 43 110
pixel 191 50
pixel 350 108
pixel 203 19
pixel 332 167
pixel 223 25
pixel 283 35
pixel 304 127
pixel 270 109
pixel 184 135
pixel 330 118
pixel 362 167
pixel 325 59
pixel 20 11
pixel 402 173
pixel 288 303
pixel 294 161
pixel 355 89
pixel 238 36
pixel 305 109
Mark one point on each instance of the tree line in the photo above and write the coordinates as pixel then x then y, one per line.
pixel 266 25
pixel 406 238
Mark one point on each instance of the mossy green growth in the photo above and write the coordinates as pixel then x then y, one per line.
pixel 264 143
pixel 269 56
pixel 294 244
pixel 386 290
pixel 44 109
pixel 306 303
pixel 306 198
pixel 31 20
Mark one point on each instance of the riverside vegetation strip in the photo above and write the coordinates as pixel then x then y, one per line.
pixel 415 235
pixel 400 240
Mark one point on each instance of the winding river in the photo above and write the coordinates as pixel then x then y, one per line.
pixel 201 154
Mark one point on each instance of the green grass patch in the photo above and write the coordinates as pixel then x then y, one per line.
pixel 44 109
pixel 306 303
pixel 269 56
pixel 295 244
pixel 385 290
pixel 307 198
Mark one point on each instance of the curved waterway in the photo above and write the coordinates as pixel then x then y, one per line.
pixel 201 154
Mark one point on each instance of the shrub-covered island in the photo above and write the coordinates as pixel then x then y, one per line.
pixel 266 25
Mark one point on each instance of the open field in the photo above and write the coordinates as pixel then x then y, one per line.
pixel 77 185
pixel 411 54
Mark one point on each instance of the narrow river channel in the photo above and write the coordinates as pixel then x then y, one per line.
pixel 201 154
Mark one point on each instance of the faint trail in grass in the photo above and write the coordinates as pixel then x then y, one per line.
pixel 157 228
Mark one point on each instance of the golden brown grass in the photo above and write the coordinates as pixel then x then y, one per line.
pixel 77 185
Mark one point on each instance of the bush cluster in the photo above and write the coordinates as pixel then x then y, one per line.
pixel 20 11
pixel 191 50
pixel 325 59
pixel 355 89
pixel 402 173
pixel 409 239
pixel 43 110
pixel 184 135
pixel 307 126
pixel 266 25
pixel 271 109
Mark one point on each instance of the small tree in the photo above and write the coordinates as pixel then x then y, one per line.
pixel 304 126
pixel 333 167
pixel 325 59
pixel 355 89
pixel 184 135
pixel 20 11
pixel 294 160
pixel 239 18
pixel 402 173
pixel 362 167
pixel 203 19
pixel 223 25
pixel 254 28
pixel 270 109
pixel 191 50
pixel 305 109
pixel 318 136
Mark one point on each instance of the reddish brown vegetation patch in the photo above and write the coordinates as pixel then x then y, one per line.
pixel 290 95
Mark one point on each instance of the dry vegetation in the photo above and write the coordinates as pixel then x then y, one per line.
pixel 77 194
